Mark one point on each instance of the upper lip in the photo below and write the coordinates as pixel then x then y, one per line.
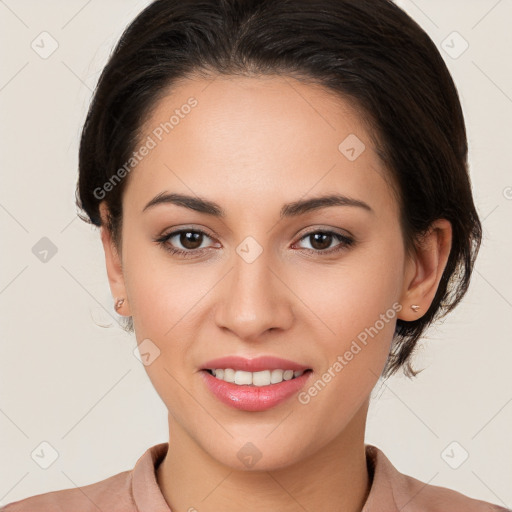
pixel 256 364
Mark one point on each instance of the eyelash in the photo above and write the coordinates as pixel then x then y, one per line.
pixel 345 242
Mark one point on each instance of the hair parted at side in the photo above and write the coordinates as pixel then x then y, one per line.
pixel 367 51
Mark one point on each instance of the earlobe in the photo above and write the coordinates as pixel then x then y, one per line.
pixel 118 304
pixel 113 266
pixel 425 270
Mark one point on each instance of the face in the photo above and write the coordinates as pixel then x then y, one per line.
pixel 256 276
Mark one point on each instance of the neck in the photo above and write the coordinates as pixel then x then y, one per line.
pixel 332 479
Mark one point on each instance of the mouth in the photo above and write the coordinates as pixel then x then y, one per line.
pixel 254 384
pixel 257 379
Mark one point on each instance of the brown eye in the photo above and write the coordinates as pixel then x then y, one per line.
pixel 184 242
pixel 321 241
pixel 190 239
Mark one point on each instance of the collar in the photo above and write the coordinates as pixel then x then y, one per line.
pixel 149 498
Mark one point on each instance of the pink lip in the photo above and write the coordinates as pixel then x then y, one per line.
pixel 253 398
pixel 257 364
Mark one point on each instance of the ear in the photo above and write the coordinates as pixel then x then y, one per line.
pixel 424 269
pixel 113 263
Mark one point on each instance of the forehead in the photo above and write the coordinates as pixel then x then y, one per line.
pixel 241 137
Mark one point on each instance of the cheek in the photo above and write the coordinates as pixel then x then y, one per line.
pixel 363 318
pixel 358 301
pixel 161 292
pixel 162 297
pixel 352 294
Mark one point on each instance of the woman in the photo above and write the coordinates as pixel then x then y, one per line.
pixel 285 207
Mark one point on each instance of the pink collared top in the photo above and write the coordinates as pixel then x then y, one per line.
pixel 137 490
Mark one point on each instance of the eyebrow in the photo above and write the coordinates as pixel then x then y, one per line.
pixel 293 209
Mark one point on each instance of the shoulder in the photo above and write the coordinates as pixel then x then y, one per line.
pixel 432 498
pixel 112 494
pixel 129 491
pixel 408 494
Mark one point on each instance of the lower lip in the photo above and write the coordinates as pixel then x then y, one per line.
pixel 254 398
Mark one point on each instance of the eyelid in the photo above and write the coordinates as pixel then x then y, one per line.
pixel 326 229
pixel 345 240
pixel 163 241
pixel 180 229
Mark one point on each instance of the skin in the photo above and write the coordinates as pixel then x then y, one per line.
pixel 252 145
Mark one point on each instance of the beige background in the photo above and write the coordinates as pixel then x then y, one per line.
pixel 77 386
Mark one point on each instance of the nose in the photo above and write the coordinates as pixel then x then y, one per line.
pixel 253 300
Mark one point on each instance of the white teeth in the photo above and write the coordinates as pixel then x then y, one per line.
pixel 288 374
pixel 243 377
pixel 276 376
pixel 229 375
pixel 262 378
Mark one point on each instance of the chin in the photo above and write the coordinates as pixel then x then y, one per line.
pixel 258 453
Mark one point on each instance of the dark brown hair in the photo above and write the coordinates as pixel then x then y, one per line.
pixel 369 51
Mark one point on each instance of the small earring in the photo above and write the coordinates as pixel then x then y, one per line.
pixel 118 304
pixel 415 307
